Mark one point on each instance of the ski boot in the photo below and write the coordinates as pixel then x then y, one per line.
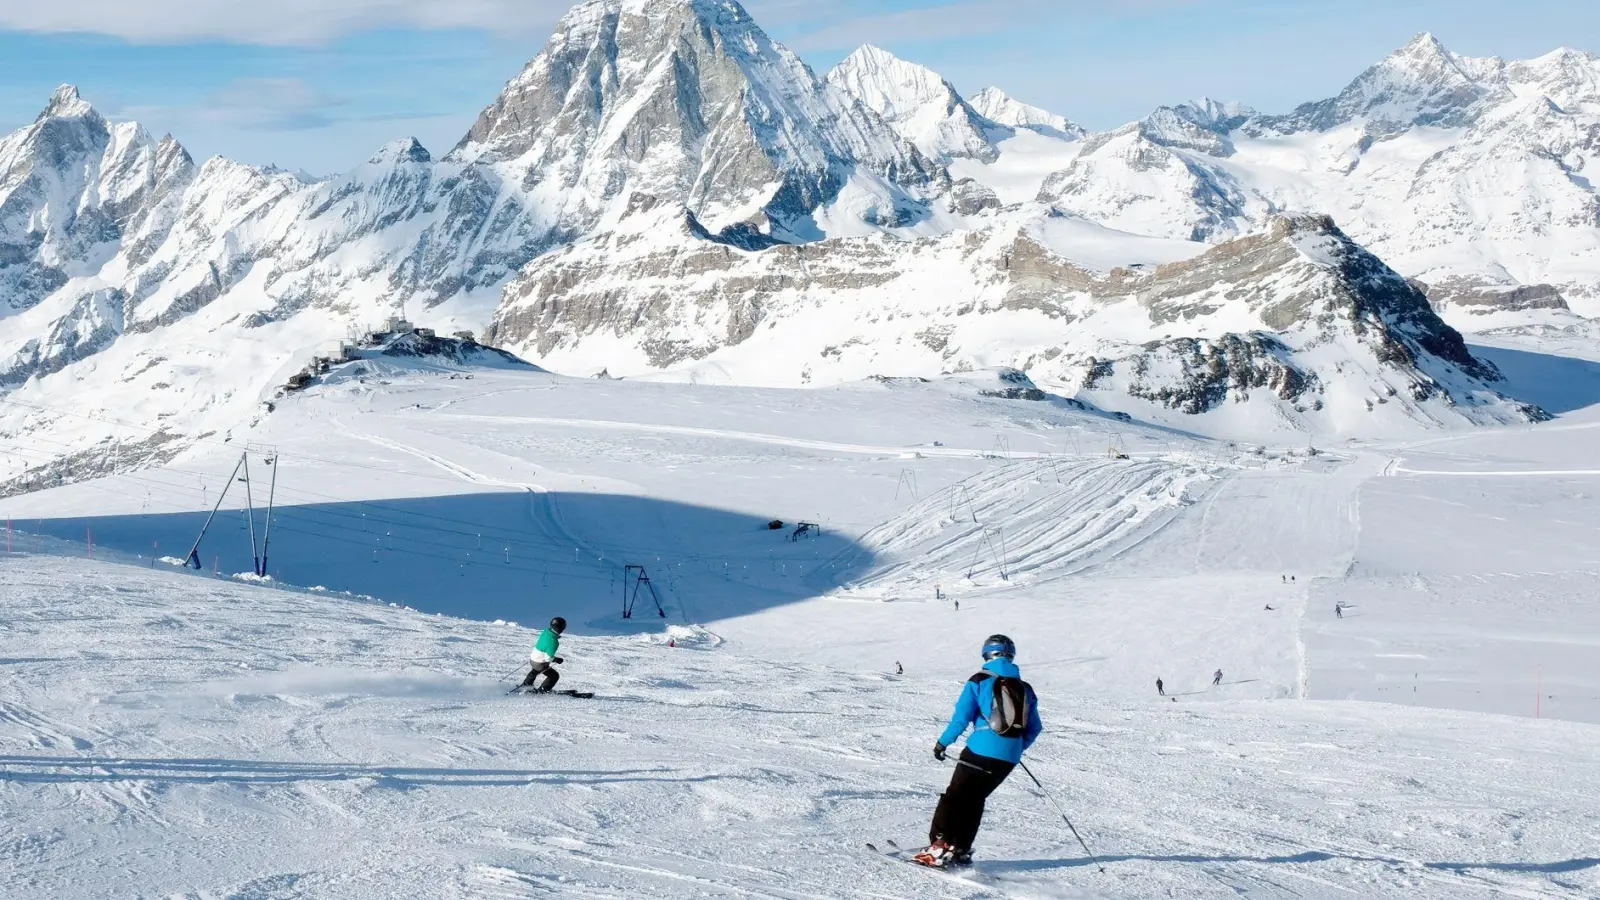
pixel 938 855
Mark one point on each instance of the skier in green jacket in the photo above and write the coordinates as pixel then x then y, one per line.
pixel 544 657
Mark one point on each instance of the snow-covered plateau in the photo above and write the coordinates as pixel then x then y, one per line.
pixel 344 730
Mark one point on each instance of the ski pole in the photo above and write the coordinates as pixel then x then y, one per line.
pixel 513 672
pixel 1052 801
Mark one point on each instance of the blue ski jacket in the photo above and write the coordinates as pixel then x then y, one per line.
pixel 972 710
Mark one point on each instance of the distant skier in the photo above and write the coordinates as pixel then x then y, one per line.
pixel 899 669
pixel 958 606
pixel 1338 610
pixel 1003 713
pixel 1217 678
pixel 545 659
pixel 1161 689
pixel 1269 607
pixel 1285 578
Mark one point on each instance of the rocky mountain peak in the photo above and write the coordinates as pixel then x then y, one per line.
pixel 917 102
pixel 1424 50
pixel 601 48
pixel 690 100
pixel 1571 78
pixel 887 83
pixel 1422 83
pixel 1222 116
pixel 65 103
pixel 404 150
pixel 999 107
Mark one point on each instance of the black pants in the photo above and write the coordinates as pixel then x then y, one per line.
pixel 551 676
pixel 960 810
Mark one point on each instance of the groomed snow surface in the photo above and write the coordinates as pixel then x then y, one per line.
pixel 345 731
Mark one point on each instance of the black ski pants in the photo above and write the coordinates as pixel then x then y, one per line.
pixel 960 810
pixel 551 676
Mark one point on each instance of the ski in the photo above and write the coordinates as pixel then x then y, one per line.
pixel 581 695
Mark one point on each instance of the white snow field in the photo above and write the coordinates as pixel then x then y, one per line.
pixel 346 732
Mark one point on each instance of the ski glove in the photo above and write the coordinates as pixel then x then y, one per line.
pixel 938 751
pixel 559 661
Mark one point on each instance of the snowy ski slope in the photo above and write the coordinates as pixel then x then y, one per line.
pixel 173 734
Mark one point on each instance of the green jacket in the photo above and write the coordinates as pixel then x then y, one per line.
pixel 544 649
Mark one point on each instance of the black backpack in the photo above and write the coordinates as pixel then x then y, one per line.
pixel 1012 705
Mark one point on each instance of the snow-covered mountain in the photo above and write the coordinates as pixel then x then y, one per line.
pixel 689 98
pixel 145 300
pixel 917 103
pixel 999 107
pixel 1296 326
pixel 174 298
pixel 1467 174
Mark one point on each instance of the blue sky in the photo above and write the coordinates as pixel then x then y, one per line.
pixel 321 84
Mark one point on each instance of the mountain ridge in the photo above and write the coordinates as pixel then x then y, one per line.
pixel 135 282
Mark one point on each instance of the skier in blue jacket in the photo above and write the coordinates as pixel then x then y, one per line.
pixel 1003 713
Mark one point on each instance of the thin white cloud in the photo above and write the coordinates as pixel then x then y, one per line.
pixel 821 24
pixel 270 104
pixel 278 22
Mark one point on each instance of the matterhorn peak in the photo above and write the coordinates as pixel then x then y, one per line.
pixel 65 104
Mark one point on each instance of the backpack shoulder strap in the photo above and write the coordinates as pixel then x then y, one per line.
pixel 980 678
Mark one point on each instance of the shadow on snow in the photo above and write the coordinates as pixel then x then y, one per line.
pixel 1313 856
pixel 1557 384
pixel 517 555
pixel 70 769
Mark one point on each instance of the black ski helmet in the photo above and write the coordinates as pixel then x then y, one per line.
pixel 999 645
pixel 558 625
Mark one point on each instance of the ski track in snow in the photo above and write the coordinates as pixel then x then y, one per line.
pixel 367 773
pixel 175 735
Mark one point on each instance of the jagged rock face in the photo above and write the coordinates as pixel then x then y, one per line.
pixel 919 105
pixel 1195 376
pixel 687 99
pixel 1328 321
pixel 1477 298
pixel 1346 295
